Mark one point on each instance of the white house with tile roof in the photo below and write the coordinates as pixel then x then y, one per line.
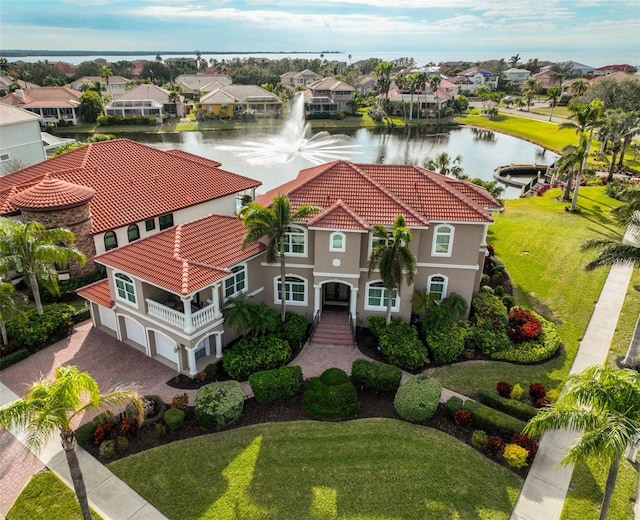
pixel 20 140
pixel 52 104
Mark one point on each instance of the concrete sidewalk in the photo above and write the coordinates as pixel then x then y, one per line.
pixel 108 495
pixel 544 491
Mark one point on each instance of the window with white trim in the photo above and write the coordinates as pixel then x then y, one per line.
pixel 437 286
pixel 337 242
pixel 442 240
pixel 133 232
pixel 125 288
pixel 295 290
pixel 295 243
pixel 377 296
pixel 110 240
pixel 236 283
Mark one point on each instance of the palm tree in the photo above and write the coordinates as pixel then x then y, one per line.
pixel 612 134
pixel 528 96
pixel 34 250
pixel 273 223
pixel 514 60
pixel 106 73
pixel 421 82
pixel 444 164
pixel 9 308
pixel 579 86
pixel 604 404
pixel 434 82
pixel 611 253
pixel 383 72
pixel 393 257
pixel 49 406
pixel 553 93
pixel 401 80
pixel 570 163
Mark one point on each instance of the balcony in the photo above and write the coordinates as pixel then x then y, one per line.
pixel 174 314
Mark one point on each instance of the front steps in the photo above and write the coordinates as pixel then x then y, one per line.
pixel 333 329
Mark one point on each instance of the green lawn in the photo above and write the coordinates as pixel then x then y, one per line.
pixel 366 469
pixel 46 496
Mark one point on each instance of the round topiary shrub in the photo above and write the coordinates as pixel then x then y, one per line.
pixel 219 404
pixel 174 417
pixel 331 396
pixel 417 400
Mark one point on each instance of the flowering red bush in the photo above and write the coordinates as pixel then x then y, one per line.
pixel 529 444
pixel 129 425
pixel 523 325
pixel 494 444
pixel 102 432
pixel 504 389
pixel 462 417
pixel 537 391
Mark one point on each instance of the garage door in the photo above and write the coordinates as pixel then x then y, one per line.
pixel 107 318
pixel 165 347
pixel 135 332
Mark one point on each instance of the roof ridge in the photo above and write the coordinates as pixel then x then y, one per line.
pixel 336 205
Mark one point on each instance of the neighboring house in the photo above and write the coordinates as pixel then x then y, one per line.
pixel 137 191
pixel 52 104
pixel 610 69
pixel 339 92
pixel 515 75
pixel 425 101
pixel 546 79
pixel 299 80
pixel 20 140
pixel 194 84
pixel 117 84
pixel 164 294
pixel 235 100
pixel 7 84
pixel 366 84
pixel 146 100
pixel 469 80
pixel 191 62
pixel 51 142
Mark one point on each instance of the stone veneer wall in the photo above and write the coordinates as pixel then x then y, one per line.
pixel 78 220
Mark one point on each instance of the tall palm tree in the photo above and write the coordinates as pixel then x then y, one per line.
pixel 50 406
pixel 514 60
pixel 602 403
pixel 273 224
pixel 10 308
pixel 34 250
pixel 401 80
pixel 383 72
pixel 106 73
pixel 570 163
pixel 444 164
pixel 553 93
pixel 393 257
pixel 434 83
pixel 421 82
pixel 412 79
pixel 579 87
pixel 612 133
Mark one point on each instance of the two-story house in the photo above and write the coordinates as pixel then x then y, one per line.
pixel 164 294
pixel 20 139
pixel 115 86
pixel 516 75
pixel 329 95
pixel 147 100
pixel 299 80
pixel 469 80
pixel 52 104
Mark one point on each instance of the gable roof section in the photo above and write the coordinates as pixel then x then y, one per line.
pixel 133 182
pixel 331 84
pixel 185 258
pixel 146 91
pixel 339 216
pixel 44 97
pixel 10 115
pixel 376 193
pixel 98 292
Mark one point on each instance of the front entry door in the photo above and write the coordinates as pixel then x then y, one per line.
pixel 336 294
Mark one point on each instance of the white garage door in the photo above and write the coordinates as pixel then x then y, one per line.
pixel 165 347
pixel 107 318
pixel 135 331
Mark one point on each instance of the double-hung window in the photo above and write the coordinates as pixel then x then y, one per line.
pixel 236 283
pixel 437 286
pixel 377 297
pixel 295 290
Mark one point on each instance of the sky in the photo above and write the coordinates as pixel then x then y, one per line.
pixel 494 27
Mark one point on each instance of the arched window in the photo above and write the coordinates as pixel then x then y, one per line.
pixel 110 240
pixel 236 283
pixel 295 241
pixel 125 288
pixel 295 290
pixel 437 285
pixel 337 242
pixel 442 240
pixel 133 233
pixel 377 296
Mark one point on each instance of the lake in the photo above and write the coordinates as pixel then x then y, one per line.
pixel 481 151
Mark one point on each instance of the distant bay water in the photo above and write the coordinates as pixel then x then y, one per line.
pixel 595 58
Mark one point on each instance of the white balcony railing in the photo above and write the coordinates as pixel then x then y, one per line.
pixel 178 319
pixel 204 316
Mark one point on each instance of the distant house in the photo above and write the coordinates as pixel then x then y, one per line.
pixel 366 84
pixel 516 75
pixel 117 84
pixel 52 104
pixel 469 80
pixel 196 85
pixel 7 84
pixel 146 100
pixel 610 69
pixel 546 79
pixel 329 95
pixel 20 142
pixel 191 62
pixel 235 100
pixel 294 80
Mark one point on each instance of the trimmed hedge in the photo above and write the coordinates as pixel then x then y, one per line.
pixel 53 323
pixel 375 376
pixel 446 344
pixel 512 407
pixel 401 346
pixel 417 399
pixel 331 396
pixel 535 351
pixel 219 404
pixel 126 120
pixel 250 356
pixel 174 417
pixel 294 329
pixel 493 421
pixel 274 385
pixel 13 358
pixel 453 404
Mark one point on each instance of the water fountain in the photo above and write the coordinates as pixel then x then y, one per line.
pixel 295 140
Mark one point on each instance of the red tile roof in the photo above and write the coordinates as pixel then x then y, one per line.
pixel 44 97
pixel 476 193
pixel 185 258
pixel 376 193
pixel 339 216
pixel 132 181
pixel 52 194
pixel 97 292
